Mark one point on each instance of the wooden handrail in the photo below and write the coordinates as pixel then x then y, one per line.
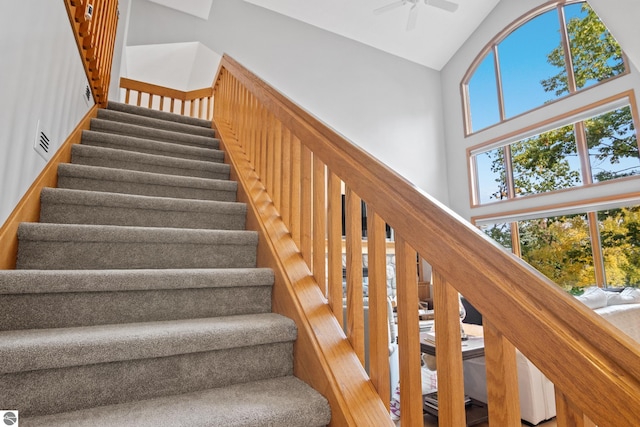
pixel 95 37
pixel 194 103
pixel 272 144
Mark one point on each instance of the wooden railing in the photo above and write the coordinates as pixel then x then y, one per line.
pixel 292 170
pixel 195 103
pixel 94 28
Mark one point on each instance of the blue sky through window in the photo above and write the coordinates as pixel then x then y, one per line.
pixel 523 63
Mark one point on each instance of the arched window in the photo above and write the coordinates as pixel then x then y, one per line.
pixel 529 86
pixel 558 51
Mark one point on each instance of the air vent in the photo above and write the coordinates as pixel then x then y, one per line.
pixel 86 95
pixel 42 144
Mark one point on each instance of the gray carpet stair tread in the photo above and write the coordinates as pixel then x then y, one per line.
pixel 111 174
pixel 143 162
pixel 154 134
pixel 109 233
pixel 136 119
pixel 284 401
pixel 54 281
pixel 65 206
pixel 162 115
pixel 82 197
pixel 149 146
pixel 99 247
pixel 36 349
pixel 100 173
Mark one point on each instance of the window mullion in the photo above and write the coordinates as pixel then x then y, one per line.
pixel 515 239
pixel 583 152
pixel 564 35
pixel 509 180
pixel 596 247
pixel 496 63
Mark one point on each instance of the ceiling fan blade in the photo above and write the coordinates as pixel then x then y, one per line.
pixel 389 7
pixel 413 16
pixel 447 5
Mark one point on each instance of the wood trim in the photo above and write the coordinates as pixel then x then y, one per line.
pixel 588 204
pixel 28 208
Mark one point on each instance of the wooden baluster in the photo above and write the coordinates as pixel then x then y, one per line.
pixel 127 93
pixel 200 108
pixel 502 377
pixel 355 305
pixel 568 414
pixel 172 105
pixel 334 245
pixel 240 124
pixel 378 313
pixel 285 206
pixel 295 189
pixel 161 103
pixel 305 203
pixel 192 108
pixel 139 103
pixel 276 194
pixel 150 104
pixel 408 334
pixel 267 159
pixel 254 125
pixel 319 223
pixel 257 127
pixel 182 106
pixel 449 352
pixel 209 101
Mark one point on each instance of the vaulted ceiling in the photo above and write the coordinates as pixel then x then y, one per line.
pixel 433 40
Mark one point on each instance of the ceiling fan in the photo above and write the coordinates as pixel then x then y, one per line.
pixel 413 12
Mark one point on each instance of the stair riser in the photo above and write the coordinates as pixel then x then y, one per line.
pixel 150 147
pixel 108 215
pixel 163 115
pixel 143 189
pixel 146 167
pixel 34 311
pixel 135 119
pixel 60 255
pixel 58 390
pixel 153 134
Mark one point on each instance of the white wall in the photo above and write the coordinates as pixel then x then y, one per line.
pixel 389 106
pixel 41 78
pixel 182 66
pixel 452 75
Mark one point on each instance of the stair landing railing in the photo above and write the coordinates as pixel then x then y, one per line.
pixel 195 103
pixel 293 172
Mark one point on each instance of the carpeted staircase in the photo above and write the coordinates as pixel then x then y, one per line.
pixel 136 300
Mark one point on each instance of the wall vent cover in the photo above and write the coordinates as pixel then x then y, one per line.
pixel 42 144
pixel 87 95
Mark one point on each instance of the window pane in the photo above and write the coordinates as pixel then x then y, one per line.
pixel 491 175
pixel 613 146
pixel 483 95
pixel 546 162
pixel 560 248
pixel 620 237
pixel 525 64
pixel 595 53
pixel 501 233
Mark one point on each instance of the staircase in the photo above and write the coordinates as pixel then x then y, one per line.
pixel 136 300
